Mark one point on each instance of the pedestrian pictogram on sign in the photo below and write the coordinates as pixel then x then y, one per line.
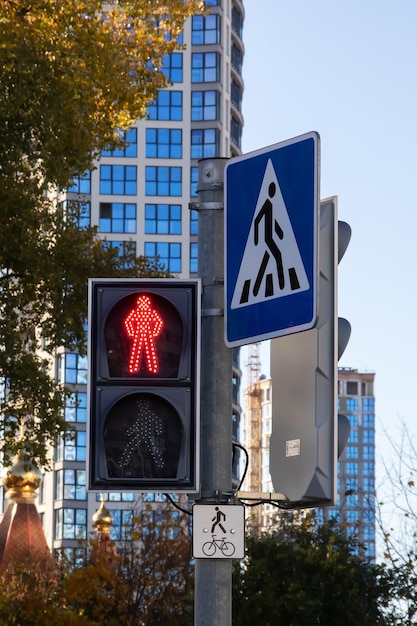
pixel 218 531
pixel 271 266
pixel 271 241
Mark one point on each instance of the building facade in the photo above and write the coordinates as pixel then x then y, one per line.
pixel 139 195
pixel 355 506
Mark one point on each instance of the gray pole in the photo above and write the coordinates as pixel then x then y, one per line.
pixel 213 577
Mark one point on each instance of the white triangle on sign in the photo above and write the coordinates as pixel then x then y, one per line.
pixel 271 266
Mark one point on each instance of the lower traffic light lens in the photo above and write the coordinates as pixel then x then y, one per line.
pixel 142 437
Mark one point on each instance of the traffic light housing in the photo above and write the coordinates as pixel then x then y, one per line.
pixel 144 348
pixel 307 434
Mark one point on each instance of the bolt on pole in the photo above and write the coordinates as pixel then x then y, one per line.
pixel 213 577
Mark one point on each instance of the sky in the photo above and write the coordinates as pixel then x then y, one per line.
pixel 348 70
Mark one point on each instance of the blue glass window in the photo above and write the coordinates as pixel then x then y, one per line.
pixel 236 131
pixel 368 468
pixel 368 419
pixel 368 484
pixel 368 516
pixel 193 258
pixel 204 143
pixel 352 452
pixel 163 181
pixel 352 516
pixel 75 409
pixel 353 419
pixel 75 369
pixel 164 143
pixel 368 452
pixel 212 3
pixel 368 533
pixel 169 254
pixel 172 67
pixel 353 435
pixel 204 105
pixel 129 147
pixel 70 485
pixel 352 499
pixel 368 404
pixel 163 219
pixel 84 214
pixel 352 468
pixel 81 184
pixel 118 180
pixel 122 523
pixel 205 29
pixel 117 217
pixel 352 484
pixel 351 404
pixel 194 181
pixel 205 67
pixel 193 222
pixel 167 106
pixel 75 557
pixel 122 247
pixel 72 447
pixel 237 58
pixel 157 497
pixel 236 95
pixel 71 523
pixel 77 211
pixel 368 435
pixel 237 21
pixel 114 496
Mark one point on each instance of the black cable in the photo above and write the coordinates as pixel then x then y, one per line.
pixel 238 445
pixel 177 506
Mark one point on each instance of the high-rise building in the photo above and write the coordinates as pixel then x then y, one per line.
pixel 356 470
pixel 355 506
pixel 140 195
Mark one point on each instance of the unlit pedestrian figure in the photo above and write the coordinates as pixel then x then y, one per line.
pixel 271 227
pixel 217 520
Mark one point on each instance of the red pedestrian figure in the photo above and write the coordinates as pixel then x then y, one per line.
pixel 144 324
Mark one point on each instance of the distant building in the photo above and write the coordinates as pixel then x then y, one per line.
pixel 355 506
pixel 356 472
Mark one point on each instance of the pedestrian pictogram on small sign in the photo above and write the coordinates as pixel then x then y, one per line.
pixel 218 531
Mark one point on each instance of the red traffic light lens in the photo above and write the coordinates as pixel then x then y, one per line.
pixel 143 337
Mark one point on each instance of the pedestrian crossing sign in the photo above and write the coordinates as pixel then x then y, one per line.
pixel 271 241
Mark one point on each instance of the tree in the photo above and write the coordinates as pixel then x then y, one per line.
pixel 308 574
pixel 73 74
pixel 148 580
pixel 397 519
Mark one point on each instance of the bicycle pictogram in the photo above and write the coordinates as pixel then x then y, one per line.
pixel 210 547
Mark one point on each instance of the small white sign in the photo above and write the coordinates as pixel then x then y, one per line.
pixel 218 531
pixel 293 447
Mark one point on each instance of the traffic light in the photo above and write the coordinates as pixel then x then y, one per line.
pixel 144 348
pixel 307 437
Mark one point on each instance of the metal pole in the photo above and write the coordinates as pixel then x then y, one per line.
pixel 213 577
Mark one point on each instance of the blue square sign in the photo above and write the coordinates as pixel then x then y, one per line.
pixel 271 241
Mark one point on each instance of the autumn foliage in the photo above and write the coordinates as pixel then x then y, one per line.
pixel 148 580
